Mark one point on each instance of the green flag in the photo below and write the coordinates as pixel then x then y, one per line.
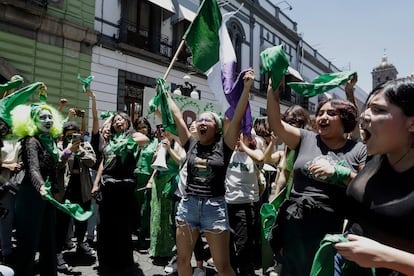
pixel 18 80
pixel 321 84
pixel 72 209
pixel 18 97
pixel 274 61
pixel 203 36
pixel 160 101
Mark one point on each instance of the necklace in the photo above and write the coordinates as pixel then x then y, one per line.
pixel 401 158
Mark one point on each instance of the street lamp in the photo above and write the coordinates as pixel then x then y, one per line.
pixel 177 92
pixel 187 89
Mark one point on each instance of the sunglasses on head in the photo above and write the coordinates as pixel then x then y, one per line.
pixel 295 121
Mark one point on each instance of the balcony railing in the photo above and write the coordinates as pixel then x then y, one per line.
pixel 143 38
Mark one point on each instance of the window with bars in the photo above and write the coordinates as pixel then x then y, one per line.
pixel 133 99
pixel 142 23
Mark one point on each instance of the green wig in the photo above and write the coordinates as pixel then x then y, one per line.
pixel 24 116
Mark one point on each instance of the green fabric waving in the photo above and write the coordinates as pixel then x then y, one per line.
pixel 268 211
pixel 321 84
pixel 274 61
pixel 85 82
pixel 15 99
pixel 323 263
pixel 106 114
pixel 160 101
pixel 72 209
pixel 11 84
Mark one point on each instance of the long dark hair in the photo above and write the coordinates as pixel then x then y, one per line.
pixel 144 120
pixel 129 130
pixel 300 115
pixel 399 92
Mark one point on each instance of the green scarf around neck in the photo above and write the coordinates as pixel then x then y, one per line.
pixel 49 143
pixel 121 145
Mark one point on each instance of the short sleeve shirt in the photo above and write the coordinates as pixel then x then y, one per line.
pixel 328 196
pixel 206 167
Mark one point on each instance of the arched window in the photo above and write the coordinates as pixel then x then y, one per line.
pixel 237 37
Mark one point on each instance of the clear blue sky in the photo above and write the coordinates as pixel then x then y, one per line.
pixel 355 33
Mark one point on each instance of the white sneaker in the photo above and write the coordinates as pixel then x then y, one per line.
pixel 171 267
pixel 199 272
pixel 61 263
pixel 210 262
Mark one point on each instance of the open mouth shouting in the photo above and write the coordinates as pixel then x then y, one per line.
pixel 365 135
pixel 203 129
pixel 323 124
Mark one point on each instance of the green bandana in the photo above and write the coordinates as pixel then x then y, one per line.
pixel 15 99
pixel 161 101
pixel 121 146
pixel 341 173
pixel 321 84
pixel 72 209
pixel 50 145
pixel 106 114
pixel 11 84
pixel 85 82
pixel 323 263
pixel 274 61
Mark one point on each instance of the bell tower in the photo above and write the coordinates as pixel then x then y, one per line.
pixel 384 72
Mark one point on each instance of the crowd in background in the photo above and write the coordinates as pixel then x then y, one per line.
pixel 208 182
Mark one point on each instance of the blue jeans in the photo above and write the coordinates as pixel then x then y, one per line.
pixel 203 213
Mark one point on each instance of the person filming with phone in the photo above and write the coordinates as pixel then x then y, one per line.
pixel 77 157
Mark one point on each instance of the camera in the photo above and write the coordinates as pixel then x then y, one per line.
pixel 79 112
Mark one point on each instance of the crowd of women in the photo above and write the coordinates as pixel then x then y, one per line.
pixel 357 190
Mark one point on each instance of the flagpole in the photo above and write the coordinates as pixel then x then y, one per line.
pixel 181 45
pixel 174 59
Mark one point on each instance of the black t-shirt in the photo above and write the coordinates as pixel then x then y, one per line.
pixel 207 166
pixel 382 204
pixel 119 167
pixel 328 196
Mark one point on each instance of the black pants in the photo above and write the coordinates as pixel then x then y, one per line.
pixel 74 194
pixel 35 230
pixel 244 238
pixel 116 212
pixel 302 237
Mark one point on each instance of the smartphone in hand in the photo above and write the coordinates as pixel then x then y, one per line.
pixel 76 137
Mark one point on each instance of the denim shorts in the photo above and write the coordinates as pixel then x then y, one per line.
pixel 203 213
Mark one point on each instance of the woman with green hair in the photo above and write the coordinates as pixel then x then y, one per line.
pixel 38 125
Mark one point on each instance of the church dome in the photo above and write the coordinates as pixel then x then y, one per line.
pixel 384 64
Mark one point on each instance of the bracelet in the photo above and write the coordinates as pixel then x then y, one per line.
pixel 341 173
